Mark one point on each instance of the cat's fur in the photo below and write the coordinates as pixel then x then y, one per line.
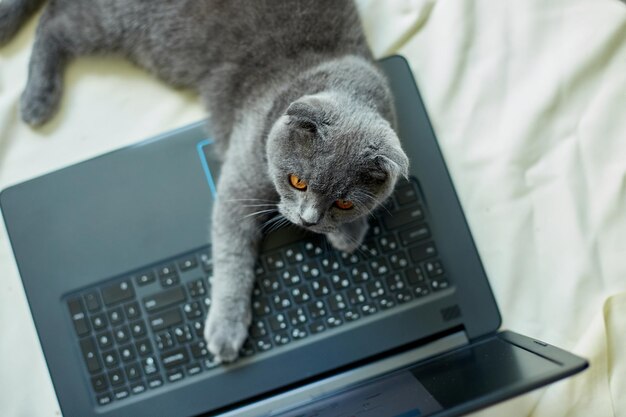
pixel 290 87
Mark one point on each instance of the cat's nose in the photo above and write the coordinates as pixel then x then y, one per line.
pixel 310 217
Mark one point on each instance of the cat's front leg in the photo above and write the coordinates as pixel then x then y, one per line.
pixel 349 236
pixel 236 235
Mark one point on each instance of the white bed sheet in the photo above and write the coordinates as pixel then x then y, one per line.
pixel 527 99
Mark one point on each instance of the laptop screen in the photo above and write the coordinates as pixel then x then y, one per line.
pixel 439 384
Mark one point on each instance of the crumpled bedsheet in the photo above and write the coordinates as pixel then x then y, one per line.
pixel 527 99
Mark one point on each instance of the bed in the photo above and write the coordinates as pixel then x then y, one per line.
pixel 528 101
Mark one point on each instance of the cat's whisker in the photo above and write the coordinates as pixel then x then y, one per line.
pixel 270 221
pixel 260 212
pixel 259 205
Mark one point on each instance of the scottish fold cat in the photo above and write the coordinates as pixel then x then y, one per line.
pixel 302 117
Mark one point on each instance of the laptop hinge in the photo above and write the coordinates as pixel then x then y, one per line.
pixel 287 400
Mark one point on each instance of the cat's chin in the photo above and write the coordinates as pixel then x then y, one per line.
pixel 318 230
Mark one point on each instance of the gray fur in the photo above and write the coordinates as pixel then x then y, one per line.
pixel 291 89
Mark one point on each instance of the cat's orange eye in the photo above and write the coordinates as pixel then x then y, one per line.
pixel 344 204
pixel 297 183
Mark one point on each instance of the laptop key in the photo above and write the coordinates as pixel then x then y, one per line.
pixel 379 266
pixel 145 278
pixel 132 310
pixel 317 327
pixel 415 275
pixel 439 284
pixel 137 387
pixel 118 292
pixel 423 252
pixel 110 359
pixel 264 344
pixel 99 383
pixel 359 274
pixel 337 302
pixel 403 217
pixel 166 319
pixel 415 234
pixel 281 338
pixel 166 270
pixel 294 254
pixel 368 309
pixel 421 290
pixel 175 358
pixel 316 309
pixel 149 366
pixel 281 301
pixel 183 334
pixel 138 329
pixel 193 369
pixel 127 353
pixel 290 277
pixel 386 302
pixel 116 377
pixel 298 333
pixel 121 393
pixel 321 287
pixel 375 289
pixel 122 334
pixel 104 399
pixel 395 282
pixel 92 301
pixel 261 307
pixel 398 260
pixel 403 296
pixel 301 294
pixel 81 325
pixel 90 354
pixel 105 340
pixel 205 259
pixel 155 381
pixel 406 195
pixel 199 349
pixel 258 329
pixel 388 243
pixel 433 268
pixel 99 321
pixel 164 340
pixel 197 288
pixel 193 310
pixel 133 371
pixel 340 280
pixel 144 347
pixel 334 320
pixel 164 299
pixel 278 322
pixel 351 314
pixel 356 296
pixel 116 316
pixel 188 263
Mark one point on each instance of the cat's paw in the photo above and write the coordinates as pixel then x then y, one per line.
pixel 226 331
pixel 38 107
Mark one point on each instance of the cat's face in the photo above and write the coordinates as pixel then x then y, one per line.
pixel 332 161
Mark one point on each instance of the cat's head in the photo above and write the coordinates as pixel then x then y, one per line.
pixel 332 161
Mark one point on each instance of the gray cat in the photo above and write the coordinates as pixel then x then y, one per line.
pixel 301 115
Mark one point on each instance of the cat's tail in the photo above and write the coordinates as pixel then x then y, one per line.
pixel 13 13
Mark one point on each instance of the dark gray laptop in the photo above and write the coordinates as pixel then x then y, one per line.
pixel 114 254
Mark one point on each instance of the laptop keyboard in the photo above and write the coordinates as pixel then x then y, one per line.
pixel 144 330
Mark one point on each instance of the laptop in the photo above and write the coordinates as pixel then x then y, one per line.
pixel 114 254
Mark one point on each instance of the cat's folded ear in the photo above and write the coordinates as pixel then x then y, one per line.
pixel 308 113
pixel 390 162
